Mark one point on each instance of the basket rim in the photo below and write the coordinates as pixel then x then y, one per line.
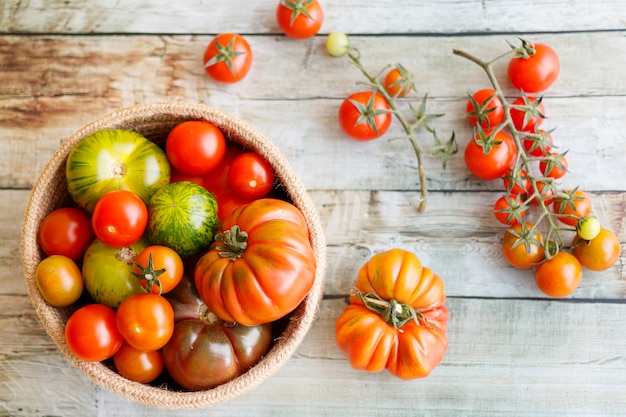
pixel 239 132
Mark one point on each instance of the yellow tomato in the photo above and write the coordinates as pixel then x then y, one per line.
pixel 59 280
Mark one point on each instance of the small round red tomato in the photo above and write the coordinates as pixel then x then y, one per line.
pixel 546 191
pixel 597 254
pixel 59 280
pixel 516 181
pixel 159 269
pixel 537 72
pixel 554 167
pixel 538 144
pixel 138 365
pixel 485 107
pixel 527 113
pixel 91 333
pixel 145 321
pixel 508 209
pixel 66 231
pixel 195 147
pixel 119 218
pixel 494 158
pixel 365 115
pixel 398 81
pixel 522 246
pixel 228 58
pixel 559 276
pixel 299 19
pixel 250 176
pixel 572 205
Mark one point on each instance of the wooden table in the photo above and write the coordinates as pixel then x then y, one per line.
pixel 512 350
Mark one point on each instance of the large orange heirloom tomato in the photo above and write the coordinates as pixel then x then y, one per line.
pixel 261 265
pixel 396 319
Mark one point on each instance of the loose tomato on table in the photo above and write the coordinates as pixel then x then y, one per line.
pixel 599 253
pixel 91 333
pixel 250 176
pixel 138 365
pixel 159 269
pixel 485 108
pixel 559 276
pixel 536 70
pixel 522 246
pixel 59 280
pixel 228 58
pixel 365 115
pixel 490 156
pixel 397 319
pixel 66 231
pixel 145 321
pixel 119 218
pixel 299 19
pixel 195 147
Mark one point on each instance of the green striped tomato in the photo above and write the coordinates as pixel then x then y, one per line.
pixel 182 216
pixel 115 160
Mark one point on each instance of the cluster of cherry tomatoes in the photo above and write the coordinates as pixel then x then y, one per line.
pixel 511 145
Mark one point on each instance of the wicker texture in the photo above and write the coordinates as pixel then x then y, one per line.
pixel 155 121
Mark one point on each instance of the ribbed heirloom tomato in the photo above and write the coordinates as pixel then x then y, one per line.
pixel 397 320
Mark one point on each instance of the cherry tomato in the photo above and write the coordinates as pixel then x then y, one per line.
pixel 195 147
pixel 145 321
pixel 228 58
pixel 574 204
pixel 598 254
pixel 138 365
pixel 538 144
pixel 159 268
pixel 299 19
pixel 555 166
pixel 365 115
pixel 588 228
pixel 485 107
pixel 522 246
pixel 559 276
pixel 508 209
pixel 250 176
pixel 119 218
pixel 493 160
pixel 398 81
pixel 337 44
pixel 91 333
pixel 516 181
pixel 546 191
pixel 527 114
pixel 66 231
pixel 537 72
pixel 59 280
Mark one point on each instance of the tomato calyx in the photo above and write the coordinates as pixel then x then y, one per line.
pixel 149 274
pixel 525 50
pixel 297 7
pixel 393 312
pixel 225 53
pixel 527 236
pixel 235 242
pixel 486 139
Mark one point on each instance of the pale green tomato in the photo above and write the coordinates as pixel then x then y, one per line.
pixel 588 228
pixel 337 44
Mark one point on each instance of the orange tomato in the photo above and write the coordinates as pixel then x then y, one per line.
pixel 597 254
pixel 559 276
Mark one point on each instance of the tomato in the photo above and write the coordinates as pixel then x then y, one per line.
pixel 559 276
pixel 261 265
pixel 490 158
pixel 227 202
pixel 205 351
pixel 91 333
pixel 485 107
pixel 195 147
pixel 522 246
pixel 228 58
pixel 138 365
pixel 599 253
pixel 538 143
pixel 365 115
pixel 65 231
pixel 145 321
pixel 397 320
pixel 398 81
pixel 115 160
pixel 182 216
pixel 554 166
pixel 537 72
pixel 571 206
pixel 516 181
pixel 108 272
pixel 299 19
pixel 250 176
pixel 509 210
pixel 588 228
pixel 546 190
pixel 59 280
pixel 527 113
pixel 119 218
pixel 159 269
pixel 337 44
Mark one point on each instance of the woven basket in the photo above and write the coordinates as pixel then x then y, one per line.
pixel 155 121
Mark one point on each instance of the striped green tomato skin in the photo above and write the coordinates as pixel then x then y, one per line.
pixel 182 216
pixel 115 160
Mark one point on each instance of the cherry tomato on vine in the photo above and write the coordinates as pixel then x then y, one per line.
pixel 119 218
pixel 337 44
pixel 398 81
pixel 159 269
pixel 228 58
pixel 537 72
pixel 299 19
pixel 195 147
pixel 574 204
pixel 485 107
pixel 516 181
pixel 66 231
pixel 588 228
pixel 59 280
pixel 546 191
pixel 365 115
pixel 538 144
pixel 559 276
pixel 494 158
pixel 522 246
pixel 554 167
pixel 250 176
pixel 529 113
pixel 508 209
pixel 145 321
pixel 138 365
pixel 91 333
pixel 599 253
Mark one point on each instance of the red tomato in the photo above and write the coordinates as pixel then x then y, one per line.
pixel 91 333
pixel 145 321
pixel 486 107
pixel 119 218
pixel 138 365
pixel 66 231
pixel 597 254
pixel 516 181
pixel 537 72
pixel 573 205
pixel 250 176
pixel 492 160
pixel 560 276
pixel 195 147
pixel 365 115
pixel 522 246
pixel 228 58
pixel 299 19
pixel 398 81
pixel 508 210
pixel 546 191
pixel 527 113
pixel 538 144
pixel 159 268
pixel 554 167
